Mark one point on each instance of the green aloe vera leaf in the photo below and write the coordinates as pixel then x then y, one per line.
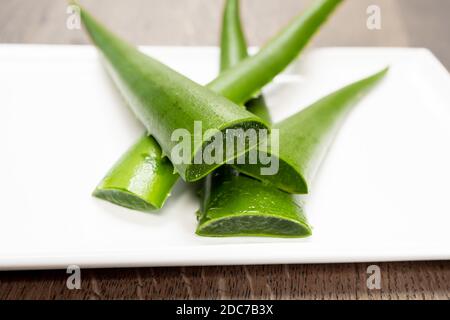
pixel 242 206
pixel 166 101
pixel 243 80
pixel 258 107
pixel 141 179
pixel 144 174
pixel 305 137
pixel 291 39
pixel 236 205
pixel 231 49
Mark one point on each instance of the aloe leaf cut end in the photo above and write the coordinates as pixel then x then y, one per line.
pixel 139 180
pixel 305 137
pixel 242 206
pixel 196 171
pixel 126 199
pixel 259 225
pixel 289 178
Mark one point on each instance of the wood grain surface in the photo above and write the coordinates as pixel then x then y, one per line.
pixel 420 23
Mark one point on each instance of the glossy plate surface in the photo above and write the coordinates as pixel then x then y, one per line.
pixel 382 194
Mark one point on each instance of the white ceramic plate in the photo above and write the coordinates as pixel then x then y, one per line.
pixel 382 194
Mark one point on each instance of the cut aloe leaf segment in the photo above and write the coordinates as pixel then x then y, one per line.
pixel 145 173
pixel 239 84
pixel 236 205
pixel 305 137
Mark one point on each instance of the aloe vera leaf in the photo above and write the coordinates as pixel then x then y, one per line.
pixel 241 206
pixel 145 174
pixel 232 50
pixel 166 101
pixel 305 137
pixel 291 39
pixel 236 205
pixel 243 80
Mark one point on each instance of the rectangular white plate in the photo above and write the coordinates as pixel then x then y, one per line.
pixel 382 194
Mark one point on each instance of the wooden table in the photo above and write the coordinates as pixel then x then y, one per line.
pixel 196 22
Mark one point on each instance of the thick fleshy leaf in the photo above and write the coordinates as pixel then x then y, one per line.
pixel 236 205
pixel 140 180
pixel 305 137
pixel 167 102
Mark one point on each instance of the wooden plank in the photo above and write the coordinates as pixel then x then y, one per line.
pixel 406 280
